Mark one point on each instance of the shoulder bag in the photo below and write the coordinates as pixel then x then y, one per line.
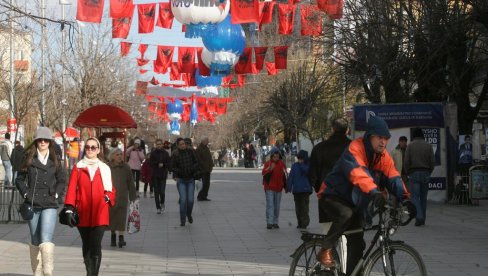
pixel 26 210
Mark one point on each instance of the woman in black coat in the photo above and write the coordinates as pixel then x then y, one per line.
pixel 41 181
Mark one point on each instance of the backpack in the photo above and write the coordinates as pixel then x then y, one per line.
pixel 4 151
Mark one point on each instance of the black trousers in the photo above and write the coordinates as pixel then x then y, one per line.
pixel 203 194
pixel 137 176
pixel 302 201
pixel 344 217
pixel 150 187
pixel 159 184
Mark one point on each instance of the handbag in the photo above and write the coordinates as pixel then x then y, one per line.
pixel 26 210
pixel 267 177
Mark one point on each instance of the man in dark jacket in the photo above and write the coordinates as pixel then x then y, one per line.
pixel 17 159
pixel 324 156
pixel 159 161
pixel 184 167
pixel 205 164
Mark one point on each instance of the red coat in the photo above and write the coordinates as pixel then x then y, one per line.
pixel 278 176
pixel 90 202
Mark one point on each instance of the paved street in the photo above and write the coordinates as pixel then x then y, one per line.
pixel 229 237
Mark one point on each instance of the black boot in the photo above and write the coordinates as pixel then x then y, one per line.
pixel 121 241
pixel 113 239
pixel 95 265
pixel 88 267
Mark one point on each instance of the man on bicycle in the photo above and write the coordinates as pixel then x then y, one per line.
pixel 358 176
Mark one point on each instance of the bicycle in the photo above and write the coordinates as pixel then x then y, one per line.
pixel 390 257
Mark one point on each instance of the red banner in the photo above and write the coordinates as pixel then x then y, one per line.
pixel 211 104
pixel 174 73
pixel 154 81
pixel 311 19
pixel 270 66
pixel 265 13
pixel 286 17
pixel 333 8
pixel 165 17
pixel 124 48
pixel 186 59
pixel 141 61
pixel 146 14
pixel 164 58
pixel 244 64
pixel 244 11
pixel 142 49
pixel 281 55
pixel 201 105
pixel 121 8
pixel 121 27
pixel 259 55
pixel 221 107
pixel 89 11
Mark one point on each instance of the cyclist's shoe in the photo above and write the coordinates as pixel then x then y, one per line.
pixel 326 258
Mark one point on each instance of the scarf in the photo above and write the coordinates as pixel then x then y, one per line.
pixel 43 159
pixel 92 165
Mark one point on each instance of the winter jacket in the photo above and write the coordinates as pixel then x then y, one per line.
pixel 44 183
pixel 298 179
pixel 184 164
pixel 17 158
pixel 126 191
pixel 204 157
pixel 88 197
pixel 146 171
pixel 419 156
pixel 324 156
pixel 278 176
pixel 135 158
pixel 159 156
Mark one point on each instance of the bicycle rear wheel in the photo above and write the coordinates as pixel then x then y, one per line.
pixel 401 259
pixel 305 261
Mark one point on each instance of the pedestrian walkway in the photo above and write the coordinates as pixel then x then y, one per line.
pixel 229 237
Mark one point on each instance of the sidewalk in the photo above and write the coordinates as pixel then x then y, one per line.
pixel 229 237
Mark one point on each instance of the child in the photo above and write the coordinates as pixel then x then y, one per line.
pixel 299 185
pixel 146 175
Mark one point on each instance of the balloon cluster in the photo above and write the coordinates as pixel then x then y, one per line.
pixel 175 109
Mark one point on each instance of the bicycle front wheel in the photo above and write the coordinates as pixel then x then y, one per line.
pixel 400 259
pixel 305 261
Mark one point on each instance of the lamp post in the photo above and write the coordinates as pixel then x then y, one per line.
pixel 63 3
pixel 11 42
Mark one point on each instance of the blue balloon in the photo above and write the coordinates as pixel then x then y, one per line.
pixel 196 30
pixel 220 70
pixel 225 36
pixel 194 113
pixel 206 81
pixel 178 106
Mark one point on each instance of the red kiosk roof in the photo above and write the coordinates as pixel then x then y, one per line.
pixel 105 116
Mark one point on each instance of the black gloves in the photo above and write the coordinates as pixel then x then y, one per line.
pixel 379 201
pixel 69 218
pixel 412 211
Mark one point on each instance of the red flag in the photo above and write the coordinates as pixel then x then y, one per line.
pixel 142 49
pixel 174 73
pixel 162 108
pixel 221 107
pixel 244 64
pixel 241 79
pixel 311 20
pixel 286 15
pixel 270 66
pixel 211 104
pixel 142 71
pixel 164 58
pixel 165 18
pixel 281 55
pixel 149 98
pixel 121 8
pixel 259 55
pixel 201 105
pixel 293 2
pixel 255 71
pixel 141 87
pixel 124 48
pixel 186 59
pixel 141 61
pixel 244 11
pixel 146 14
pixel 121 27
pixel 189 79
pixel 185 116
pixel 265 13
pixel 333 8
pixel 151 106
pixel 209 117
pixel 203 70
pixel 89 11
pixel 226 80
pixel 154 81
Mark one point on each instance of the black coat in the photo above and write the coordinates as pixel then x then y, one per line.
pixel 50 181
pixel 159 156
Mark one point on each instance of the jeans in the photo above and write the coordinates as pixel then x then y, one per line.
pixel 8 172
pixel 186 189
pixel 42 225
pixel 419 187
pixel 273 200
pixel 203 194
pixel 159 185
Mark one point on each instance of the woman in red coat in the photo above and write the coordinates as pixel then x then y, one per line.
pixel 274 180
pixel 90 190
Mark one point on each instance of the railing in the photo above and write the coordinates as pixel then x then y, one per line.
pixel 9 204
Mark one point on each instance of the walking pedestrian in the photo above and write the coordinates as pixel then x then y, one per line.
pixel 398 155
pixel 159 161
pixel 17 159
pixel 205 164
pixel 323 158
pixel 41 180
pixel 274 180
pixel 126 191
pixel 299 185
pixel 184 167
pixel 146 176
pixel 6 148
pixel 135 156
pixel 419 164
pixel 91 192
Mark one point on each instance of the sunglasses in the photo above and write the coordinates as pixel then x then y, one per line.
pixel 92 148
pixel 43 140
